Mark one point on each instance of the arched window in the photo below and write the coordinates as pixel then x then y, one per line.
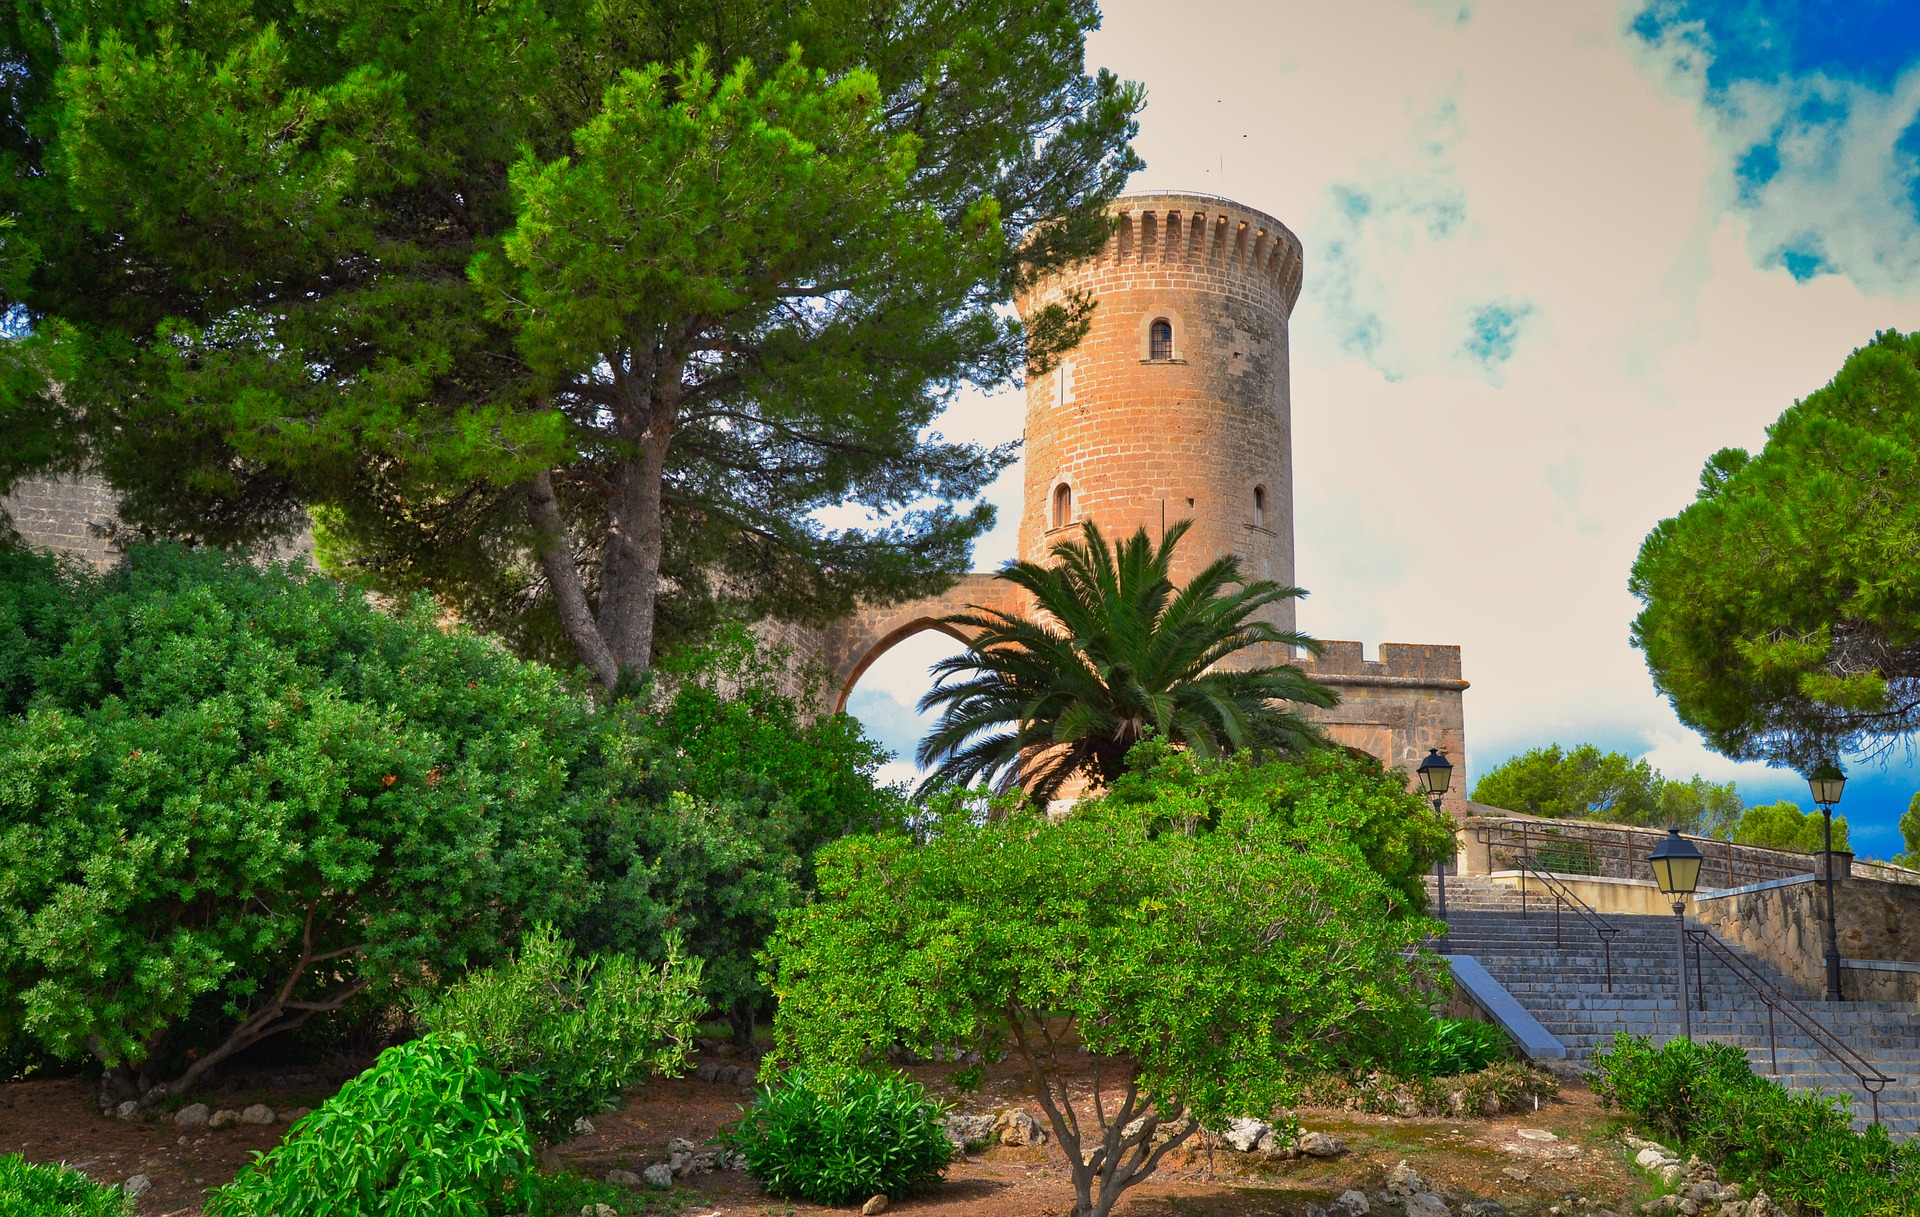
pixel 1062 505
pixel 1160 339
pixel 1259 506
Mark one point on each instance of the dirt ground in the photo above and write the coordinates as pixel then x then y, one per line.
pixel 1572 1152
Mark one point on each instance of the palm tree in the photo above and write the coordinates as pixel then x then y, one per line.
pixel 1114 651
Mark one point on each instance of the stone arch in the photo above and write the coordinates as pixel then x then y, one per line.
pixel 853 645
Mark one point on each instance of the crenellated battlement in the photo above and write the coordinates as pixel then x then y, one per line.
pixel 1429 664
pixel 1198 231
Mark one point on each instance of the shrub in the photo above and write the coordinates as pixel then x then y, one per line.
pixel 842 1138
pixel 581 1031
pixel 1444 1047
pixel 710 808
pixel 1799 1147
pixel 1200 959
pixel 29 1189
pixel 240 796
pixel 429 1128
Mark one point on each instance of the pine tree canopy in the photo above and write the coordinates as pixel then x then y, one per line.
pixel 576 313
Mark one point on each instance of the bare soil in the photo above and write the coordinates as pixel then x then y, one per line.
pixel 57 1121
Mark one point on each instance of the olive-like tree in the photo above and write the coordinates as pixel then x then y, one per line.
pixel 1113 652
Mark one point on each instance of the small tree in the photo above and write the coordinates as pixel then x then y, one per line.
pixel 1197 951
pixel 241 797
pixel 1783 825
pixel 1585 783
pixel 1115 652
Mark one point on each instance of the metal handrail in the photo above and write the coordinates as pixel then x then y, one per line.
pixel 1620 851
pixel 1562 894
pixel 1871 1079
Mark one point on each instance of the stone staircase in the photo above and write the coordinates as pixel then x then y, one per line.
pixel 1565 988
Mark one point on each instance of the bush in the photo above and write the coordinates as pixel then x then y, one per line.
pixel 28 1189
pixel 1798 1147
pixel 840 1139
pixel 240 796
pixel 1444 1047
pixel 580 1031
pixel 709 809
pixel 428 1129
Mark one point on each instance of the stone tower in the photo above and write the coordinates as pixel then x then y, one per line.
pixel 1175 405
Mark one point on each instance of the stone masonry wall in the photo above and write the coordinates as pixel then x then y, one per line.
pixel 75 516
pixel 1785 922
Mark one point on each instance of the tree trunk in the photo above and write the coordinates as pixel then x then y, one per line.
pixel 743 1018
pixel 630 562
pixel 569 592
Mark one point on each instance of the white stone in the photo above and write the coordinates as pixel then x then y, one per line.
pixel 129 1110
pixel 874 1206
pixel 659 1174
pixel 624 1179
pixel 258 1113
pixel 1537 1134
pixel 1650 1158
pixel 137 1185
pixel 598 1210
pixel 223 1118
pixel 583 1127
pixel 1244 1134
pixel 1320 1145
pixel 1352 1203
pixel 1019 1128
pixel 193 1115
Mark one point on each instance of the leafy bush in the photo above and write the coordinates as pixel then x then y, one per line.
pixel 581 1031
pixel 238 796
pixel 28 1189
pixel 1799 1147
pixel 1498 1089
pixel 708 810
pixel 428 1129
pixel 1444 1047
pixel 842 1138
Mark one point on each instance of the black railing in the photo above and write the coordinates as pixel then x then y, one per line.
pixel 1872 1080
pixel 1564 896
pixel 1617 851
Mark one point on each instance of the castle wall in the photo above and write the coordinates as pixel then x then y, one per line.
pixel 71 515
pixel 1396 707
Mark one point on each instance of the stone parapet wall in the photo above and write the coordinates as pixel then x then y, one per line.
pixel 1784 921
pixel 1398 706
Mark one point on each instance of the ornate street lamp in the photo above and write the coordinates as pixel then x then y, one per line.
pixel 1676 868
pixel 1828 784
pixel 1434 774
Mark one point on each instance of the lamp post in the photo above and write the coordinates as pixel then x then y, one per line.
pixel 1827 784
pixel 1434 774
pixel 1676 868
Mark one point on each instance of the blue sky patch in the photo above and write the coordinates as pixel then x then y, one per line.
pixel 1872 42
pixel 1493 329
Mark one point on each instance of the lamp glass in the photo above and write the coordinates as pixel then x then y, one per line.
pixel 1676 865
pixel 1827 784
pixel 1435 772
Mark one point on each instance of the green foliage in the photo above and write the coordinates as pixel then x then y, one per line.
pixel 429 1128
pixel 705 815
pixel 582 1030
pixel 1799 1147
pixel 1781 609
pixel 1585 783
pixel 492 286
pixel 1783 825
pixel 565 1195
pixel 1451 1046
pixel 1200 961
pixel 1500 1088
pixel 840 1138
pixel 1910 831
pixel 29 1189
pixel 1113 652
pixel 239 796
pixel 1326 795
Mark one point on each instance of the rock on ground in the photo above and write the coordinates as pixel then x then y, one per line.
pixel 137 1185
pixel 659 1174
pixel 624 1179
pixel 1019 1128
pixel 1352 1203
pixel 1425 1204
pixel 598 1210
pixel 226 1117
pixel 259 1113
pixel 193 1115
pixel 1403 1180
pixel 874 1205
pixel 1320 1145
pixel 1244 1134
pixel 968 1132
pixel 129 1110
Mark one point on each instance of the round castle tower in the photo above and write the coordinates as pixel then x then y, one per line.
pixel 1175 405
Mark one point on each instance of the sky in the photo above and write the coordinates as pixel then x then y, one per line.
pixel 1557 254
